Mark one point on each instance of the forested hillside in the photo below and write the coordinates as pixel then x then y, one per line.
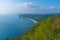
pixel 48 29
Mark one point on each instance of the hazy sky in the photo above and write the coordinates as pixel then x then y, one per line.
pixel 29 6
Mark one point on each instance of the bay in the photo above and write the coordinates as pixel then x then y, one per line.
pixel 13 26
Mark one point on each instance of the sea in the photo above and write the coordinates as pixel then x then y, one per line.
pixel 13 26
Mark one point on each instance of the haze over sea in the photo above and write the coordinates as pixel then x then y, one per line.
pixel 13 26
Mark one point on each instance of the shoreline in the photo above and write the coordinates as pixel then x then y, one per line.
pixel 32 20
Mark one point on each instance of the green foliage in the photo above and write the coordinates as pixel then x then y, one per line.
pixel 48 29
pixel 6 38
pixel 17 38
pixel 12 38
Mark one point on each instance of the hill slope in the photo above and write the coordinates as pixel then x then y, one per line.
pixel 48 29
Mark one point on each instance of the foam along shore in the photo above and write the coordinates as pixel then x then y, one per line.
pixel 32 20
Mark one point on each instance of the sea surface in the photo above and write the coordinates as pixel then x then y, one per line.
pixel 13 26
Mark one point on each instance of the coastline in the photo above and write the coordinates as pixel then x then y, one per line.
pixel 32 20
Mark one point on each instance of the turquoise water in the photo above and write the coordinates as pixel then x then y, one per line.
pixel 13 26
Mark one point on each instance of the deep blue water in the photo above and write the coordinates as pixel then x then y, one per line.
pixel 13 26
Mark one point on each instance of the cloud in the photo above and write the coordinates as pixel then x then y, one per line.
pixel 24 4
pixel 27 4
pixel 24 7
pixel 50 7
pixel 47 7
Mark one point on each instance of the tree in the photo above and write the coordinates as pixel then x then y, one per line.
pixel 12 38
pixel 17 38
pixel 7 39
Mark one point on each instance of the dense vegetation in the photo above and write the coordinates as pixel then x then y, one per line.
pixel 48 29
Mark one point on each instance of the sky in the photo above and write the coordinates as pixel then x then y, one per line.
pixel 29 6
